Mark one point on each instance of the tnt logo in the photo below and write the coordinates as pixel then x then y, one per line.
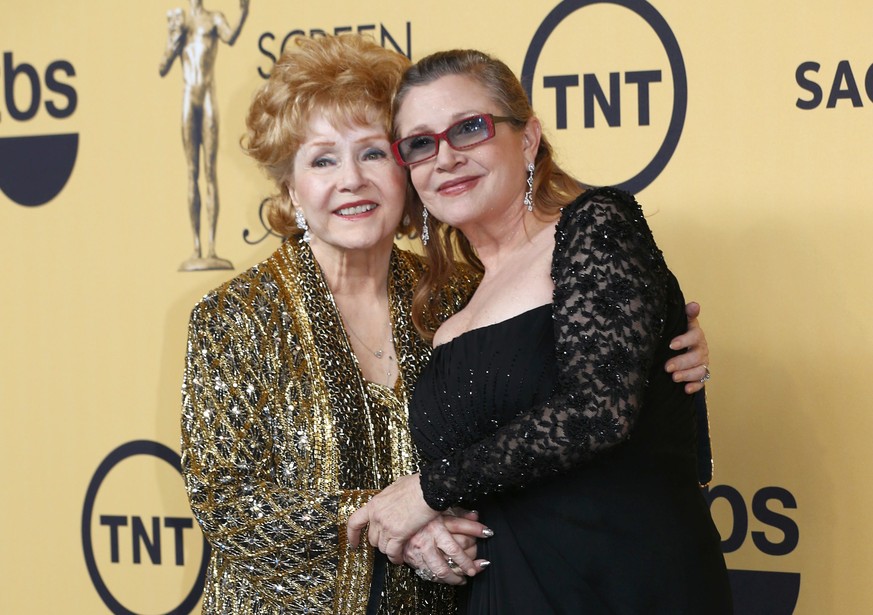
pixel 144 552
pixel 617 108
pixel 34 169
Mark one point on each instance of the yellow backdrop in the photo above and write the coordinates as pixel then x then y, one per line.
pixel 744 126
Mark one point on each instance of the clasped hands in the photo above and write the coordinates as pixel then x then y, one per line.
pixel 406 529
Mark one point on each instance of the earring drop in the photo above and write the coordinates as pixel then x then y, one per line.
pixel 425 235
pixel 302 225
pixel 528 196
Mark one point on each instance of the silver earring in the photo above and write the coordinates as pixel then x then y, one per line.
pixel 528 196
pixel 301 224
pixel 424 233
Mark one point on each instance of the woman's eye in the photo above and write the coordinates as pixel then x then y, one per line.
pixel 320 163
pixel 473 125
pixel 375 154
pixel 420 142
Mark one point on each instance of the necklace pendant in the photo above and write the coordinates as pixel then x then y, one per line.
pixel 378 354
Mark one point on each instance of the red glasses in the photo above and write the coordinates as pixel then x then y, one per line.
pixel 461 135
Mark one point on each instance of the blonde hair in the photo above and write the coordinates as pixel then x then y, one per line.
pixel 552 186
pixel 349 79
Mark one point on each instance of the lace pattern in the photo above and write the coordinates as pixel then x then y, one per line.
pixel 611 293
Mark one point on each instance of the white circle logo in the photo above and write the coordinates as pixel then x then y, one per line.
pixel 138 537
pixel 614 111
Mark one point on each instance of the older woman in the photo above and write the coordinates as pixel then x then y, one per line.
pixel 544 404
pixel 299 369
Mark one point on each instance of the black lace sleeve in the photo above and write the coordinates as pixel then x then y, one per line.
pixel 611 287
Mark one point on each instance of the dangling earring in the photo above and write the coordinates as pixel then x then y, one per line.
pixel 424 233
pixel 528 196
pixel 301 224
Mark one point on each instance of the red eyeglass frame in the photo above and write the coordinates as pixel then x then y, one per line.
pixel 490 121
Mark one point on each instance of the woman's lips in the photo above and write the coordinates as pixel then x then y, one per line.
pixel 356 209
pixel 457 186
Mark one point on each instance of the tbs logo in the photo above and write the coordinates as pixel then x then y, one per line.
pixel 34 169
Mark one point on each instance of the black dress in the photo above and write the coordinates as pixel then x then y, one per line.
pixel 560 426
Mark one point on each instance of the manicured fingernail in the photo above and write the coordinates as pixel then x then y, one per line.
pixel 484 565
pixel 671 367
pixel 488 532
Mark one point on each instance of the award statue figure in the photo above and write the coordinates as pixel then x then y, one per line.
pixel 194 39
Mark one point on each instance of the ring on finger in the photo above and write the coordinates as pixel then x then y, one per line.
pixel 425 573
pixel 455 568
pixel 707 375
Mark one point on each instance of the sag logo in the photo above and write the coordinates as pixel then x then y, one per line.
pixel 611 80
pixel 143 550
pixel 776 534
pixel 34 169
pixel 843 86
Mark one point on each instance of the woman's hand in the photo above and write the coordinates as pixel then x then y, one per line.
pixel 445 549
pixel 394 516
pixel 692 366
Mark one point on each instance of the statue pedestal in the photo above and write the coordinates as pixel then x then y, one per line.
pixel 205 264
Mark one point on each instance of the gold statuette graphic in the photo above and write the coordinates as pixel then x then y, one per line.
pixel 194 38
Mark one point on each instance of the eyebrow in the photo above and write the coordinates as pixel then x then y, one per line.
pixel 324 143
pixel 329 143
pixel 455 118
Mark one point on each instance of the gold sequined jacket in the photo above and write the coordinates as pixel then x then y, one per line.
pixel 282 439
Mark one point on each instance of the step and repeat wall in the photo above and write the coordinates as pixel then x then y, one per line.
pixel 744 127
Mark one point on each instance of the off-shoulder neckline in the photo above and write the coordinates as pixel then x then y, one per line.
pixel 492 325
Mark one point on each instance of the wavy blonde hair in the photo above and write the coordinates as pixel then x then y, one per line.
pixel 349 79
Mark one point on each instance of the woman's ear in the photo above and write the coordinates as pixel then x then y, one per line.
pixel 291 192
pixel 531 135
